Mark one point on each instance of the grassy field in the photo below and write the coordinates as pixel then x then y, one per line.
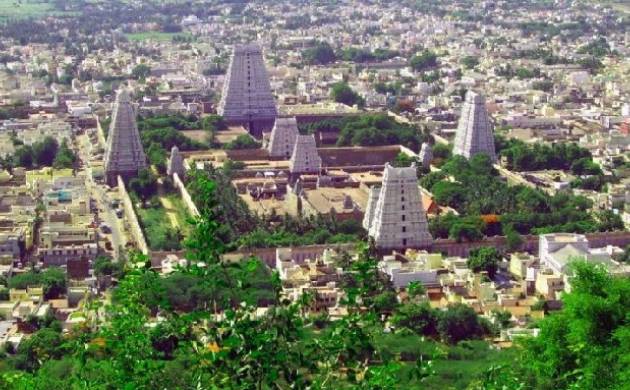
pixel 618 5
pixel 154 36
pixel 23 9
pixel 177 213
pixel 455 365
pixel 162 225
pixel 13 9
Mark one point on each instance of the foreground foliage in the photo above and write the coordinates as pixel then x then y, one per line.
pixel 199 327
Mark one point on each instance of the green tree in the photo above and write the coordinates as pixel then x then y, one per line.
pixel 342 93
pixel 503 318
pixel 513 239
pixel 145 185
pixel 44 152
pixel 423 61
pixel 243 141
pixel 470 62
pixel 484 259
pixel 65 157
pixel 465 231
pixel 43 345
pixel 23 156
pixel 321 54
pixel 52 280
pixel 420 318
pixel 141 72
pixel 460 322
pixel 585 345
pixel 106 266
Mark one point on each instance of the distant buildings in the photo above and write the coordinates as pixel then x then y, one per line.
pixel 474 132
pixel 124 155
pixel 399 219
pixel 247 99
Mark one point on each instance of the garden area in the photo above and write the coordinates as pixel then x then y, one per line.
pixel 369 130
pixel 487 205
pixel 161 213
pixel 164 220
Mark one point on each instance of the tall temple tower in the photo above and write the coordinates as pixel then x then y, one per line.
pixel 305 159
pixel 124 155
pixel 247 99
pixel 474 132
pixel 282 139
pixel 176 164
pixel 399 220
pixel 368 217
pixel 426 155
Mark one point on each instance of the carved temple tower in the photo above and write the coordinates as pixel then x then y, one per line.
pixel 474 131
pixel 399 220
pixel 124 155
pixel 247 99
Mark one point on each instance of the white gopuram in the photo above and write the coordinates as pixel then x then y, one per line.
pixel 474 131
pixel 283 136
pixel 305 159
pixel 124 155
pixel 426 155
pixel 400 220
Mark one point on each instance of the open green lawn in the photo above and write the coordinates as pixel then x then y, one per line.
pixel 455 365
pixel 618 5
pixel 164 229
pixel 20 9
pixel 154 36
pixel 180 211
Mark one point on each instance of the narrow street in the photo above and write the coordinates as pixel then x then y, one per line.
pixel 103 198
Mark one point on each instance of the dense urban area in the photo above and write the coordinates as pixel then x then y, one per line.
pixel 326 194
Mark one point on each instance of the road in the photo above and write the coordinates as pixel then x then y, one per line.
pixel 103 198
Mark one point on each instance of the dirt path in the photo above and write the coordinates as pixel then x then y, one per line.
pixel 168 206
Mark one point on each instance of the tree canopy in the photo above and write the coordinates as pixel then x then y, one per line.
pixel 321 54
pixel 423 61
pixel 342 93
